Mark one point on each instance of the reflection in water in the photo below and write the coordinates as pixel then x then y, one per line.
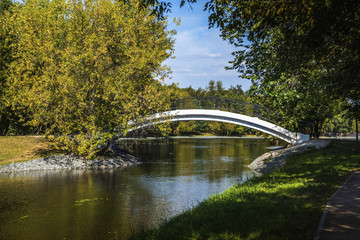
pixel 105 204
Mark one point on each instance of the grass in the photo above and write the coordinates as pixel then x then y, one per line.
pixel 24 148
pixel 286 204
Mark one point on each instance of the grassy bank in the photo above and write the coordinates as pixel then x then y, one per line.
pixel 23 148
pixel 286 204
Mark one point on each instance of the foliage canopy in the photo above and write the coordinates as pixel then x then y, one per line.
pixel 83 69
pixel 301 56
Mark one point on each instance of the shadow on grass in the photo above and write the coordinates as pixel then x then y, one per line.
pixel 49 150
pixel 25 148
pixel 286 204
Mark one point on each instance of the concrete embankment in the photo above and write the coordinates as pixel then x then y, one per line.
pixel 270 161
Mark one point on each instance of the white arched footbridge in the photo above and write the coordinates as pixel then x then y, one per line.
pixel 222 116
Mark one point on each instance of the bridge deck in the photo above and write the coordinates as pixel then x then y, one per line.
pixel 222 116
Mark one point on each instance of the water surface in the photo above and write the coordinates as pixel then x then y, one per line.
pixel 112 204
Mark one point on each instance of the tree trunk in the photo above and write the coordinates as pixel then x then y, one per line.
pixel 357 130
pixel 4 124
pixel 315 130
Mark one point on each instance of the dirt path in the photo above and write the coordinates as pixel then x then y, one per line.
pixel 341 218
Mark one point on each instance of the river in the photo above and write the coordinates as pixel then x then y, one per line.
pixel 113 204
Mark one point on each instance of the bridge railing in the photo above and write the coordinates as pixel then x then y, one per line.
pixel 226 104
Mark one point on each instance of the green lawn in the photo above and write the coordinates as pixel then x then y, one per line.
pixel 23 148
pixel 286 204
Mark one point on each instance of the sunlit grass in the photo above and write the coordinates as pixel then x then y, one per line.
pixel 286 204
pixel 23 148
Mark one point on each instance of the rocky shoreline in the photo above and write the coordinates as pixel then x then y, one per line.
pixel 70 162
pixel 270 161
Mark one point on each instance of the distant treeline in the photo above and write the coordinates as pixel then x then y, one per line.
pixel 338 124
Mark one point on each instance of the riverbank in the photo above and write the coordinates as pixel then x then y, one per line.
pixel 270 161
pixel 33 153
pixel 70 162
pixel 285 204
pixel 24 148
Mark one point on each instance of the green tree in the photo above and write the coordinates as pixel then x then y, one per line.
pixel 85 68
pixel 5 60
pixel 304 105
pixel 294 38
pixel 235 93
pixel 341 123
pixel 204 97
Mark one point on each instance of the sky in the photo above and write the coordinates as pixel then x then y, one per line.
pixel 201 54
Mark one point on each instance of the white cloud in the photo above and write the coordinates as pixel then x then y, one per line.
pixel 198 74
pixel 201 54
pixel 213 55
pixel 184 70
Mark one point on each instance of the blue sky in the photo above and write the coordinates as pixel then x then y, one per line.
pixel 201 54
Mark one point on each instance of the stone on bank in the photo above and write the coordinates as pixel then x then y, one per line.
pixel 66 162
pixel 270 161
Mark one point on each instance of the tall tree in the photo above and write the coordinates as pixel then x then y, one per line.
pixel 85 68
pixel 304 35
pixel 5 60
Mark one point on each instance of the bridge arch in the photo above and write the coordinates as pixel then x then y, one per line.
pixel 221 116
